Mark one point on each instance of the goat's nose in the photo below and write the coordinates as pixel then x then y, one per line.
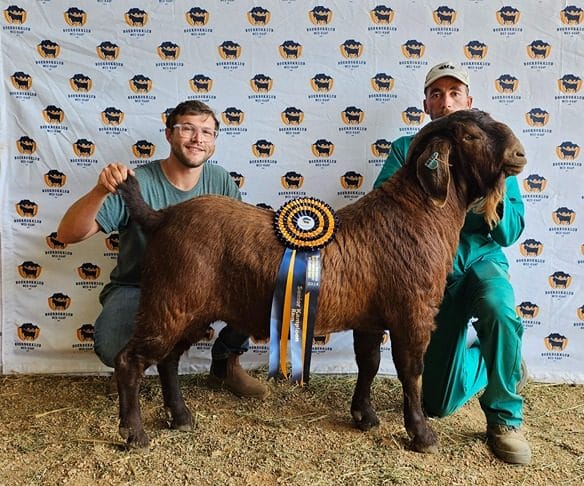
pixel 517 151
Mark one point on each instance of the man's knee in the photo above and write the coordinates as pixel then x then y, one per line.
pixel 492 296
pixel 115 324
pixel 105 355
pixel 229 342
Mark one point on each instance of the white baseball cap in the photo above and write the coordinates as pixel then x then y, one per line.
pixel 444 69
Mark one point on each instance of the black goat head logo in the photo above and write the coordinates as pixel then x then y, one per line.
pixel 75 17
pixel 232 116
pixel 48 49
pixel 321 83
pixel 55 178
pixel 444 15
pixel 26 145
pixel 201 83
pixel 476 50
pixel 83 148
pixel 259 16
pixel 197 17
pixel 136 17
pixel 80 83
pixel 508 15
pixel 168 51
pixel 21 81
pixel 322 148
pixel 30 270
pixel 143 149
pixel 382 15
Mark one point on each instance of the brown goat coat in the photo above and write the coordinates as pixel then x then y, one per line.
pixel 214 258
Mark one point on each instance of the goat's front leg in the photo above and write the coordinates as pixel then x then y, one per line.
pixel 368 356
pixel 129 371
pixel 408 355
pixel 173 399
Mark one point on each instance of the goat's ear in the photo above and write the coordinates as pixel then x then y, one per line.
pixel 433 170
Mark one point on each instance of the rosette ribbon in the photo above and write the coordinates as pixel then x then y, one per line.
pixel 304 226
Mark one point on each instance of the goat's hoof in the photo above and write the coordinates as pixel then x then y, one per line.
pixel 424 447
pixel 365 420
pixel 134 440
pixel 182 421
pixel 124 432
pixel 183 427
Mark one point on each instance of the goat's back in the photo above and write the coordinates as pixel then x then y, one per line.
pixel 215 257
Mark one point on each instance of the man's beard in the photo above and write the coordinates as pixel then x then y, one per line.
pixel 187 162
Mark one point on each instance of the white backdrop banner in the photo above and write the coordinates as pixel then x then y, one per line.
pixel 310 95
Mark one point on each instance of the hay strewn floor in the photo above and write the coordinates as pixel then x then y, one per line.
pixel 63 430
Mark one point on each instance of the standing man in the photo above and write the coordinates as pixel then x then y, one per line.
pixel 191 130
pixel 478 291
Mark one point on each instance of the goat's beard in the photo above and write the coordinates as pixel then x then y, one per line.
pixel 488 205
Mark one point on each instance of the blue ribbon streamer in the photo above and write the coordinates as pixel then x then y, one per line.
pixel 276 313
pixel 312 290
pixel 300 271
pixel 296 317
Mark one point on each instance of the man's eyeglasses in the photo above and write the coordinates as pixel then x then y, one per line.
pixel 186 130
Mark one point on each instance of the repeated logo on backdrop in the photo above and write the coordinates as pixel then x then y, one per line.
pixel 317 112
pixel 15 15
pixel 572 15
pixel 508 15
pixel 75 17
pixel 197 17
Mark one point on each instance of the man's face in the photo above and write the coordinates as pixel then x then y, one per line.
pixel 191 142
pixel 446 95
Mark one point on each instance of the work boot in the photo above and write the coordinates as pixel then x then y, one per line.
pixel 228 374
pixel 524 377
pixel 508 444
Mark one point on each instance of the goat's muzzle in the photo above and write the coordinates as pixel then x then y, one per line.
pixel 514 159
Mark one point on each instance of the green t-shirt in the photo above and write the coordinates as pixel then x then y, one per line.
pixel 477 241
pixel 158 193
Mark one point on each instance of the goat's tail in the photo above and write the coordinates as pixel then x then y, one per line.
pixel 147 218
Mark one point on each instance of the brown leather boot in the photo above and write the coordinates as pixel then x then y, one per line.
pixel 228 374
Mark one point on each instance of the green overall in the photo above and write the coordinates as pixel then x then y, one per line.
pixel 478 291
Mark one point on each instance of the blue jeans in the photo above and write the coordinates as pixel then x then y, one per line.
pixel 115 325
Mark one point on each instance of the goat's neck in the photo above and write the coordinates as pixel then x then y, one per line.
pixel 403 189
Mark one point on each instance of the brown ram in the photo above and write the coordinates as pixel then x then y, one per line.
pixel 213 258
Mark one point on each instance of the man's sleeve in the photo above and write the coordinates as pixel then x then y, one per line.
pixel 512 222
pixel 395 159
pixel 112 214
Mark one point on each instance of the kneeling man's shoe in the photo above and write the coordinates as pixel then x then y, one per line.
pixel 230 375
pixel 508 444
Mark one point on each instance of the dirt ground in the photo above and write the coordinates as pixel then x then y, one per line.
pixel 57 430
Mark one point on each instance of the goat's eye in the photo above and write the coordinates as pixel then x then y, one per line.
pixel 467 137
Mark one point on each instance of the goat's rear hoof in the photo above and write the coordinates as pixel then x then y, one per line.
pixel 428 445
pixel 182 420
pixel 425 449
pixel 134 440
pixel 365 419
pixel 182 426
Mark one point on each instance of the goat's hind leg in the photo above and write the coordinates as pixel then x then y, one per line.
pixel 368 356
pixel 174 403
pixel 408 355
pixel 129 370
